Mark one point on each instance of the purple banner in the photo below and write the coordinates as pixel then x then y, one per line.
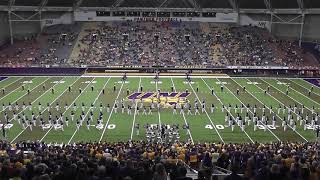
pixel 315 82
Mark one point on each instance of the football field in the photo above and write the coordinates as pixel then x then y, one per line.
pixel 266 94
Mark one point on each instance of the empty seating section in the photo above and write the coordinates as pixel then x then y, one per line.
pixel 180 4
pixel 311 3
pixel 249 4
pixel 284 4
pixel 214 3
pixel 27 3
pixel 141 3
pixel 4 2
pixel 97 3
pixel 62 3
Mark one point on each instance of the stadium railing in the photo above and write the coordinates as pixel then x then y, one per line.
pixel 231 71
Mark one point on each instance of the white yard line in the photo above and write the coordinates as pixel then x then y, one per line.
pixel 207 114
pixel 105 127
pixel 135 113
pixel 253 113
pixel 310 83
pixel 285 94
pixel 26 94
pixel 278 115
pixel 272 110
pixel 159 116
pixel 303 86
pixel 226 109
pixel 41 112
pixel 45 135
pixel 184 117
pixel 301 94
pixel 95 100
pixel 9 85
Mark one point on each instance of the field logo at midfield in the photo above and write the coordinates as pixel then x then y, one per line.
pixel 315 82
pixel 166 99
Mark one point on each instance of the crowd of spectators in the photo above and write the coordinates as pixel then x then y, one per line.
pixel 51 47
pixel 141 160
pixel 143 43
pixel 184 44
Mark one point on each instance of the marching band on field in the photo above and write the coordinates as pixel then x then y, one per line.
pixel 235 115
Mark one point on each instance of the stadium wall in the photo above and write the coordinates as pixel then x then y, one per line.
pixel 255 20
pixel 92 16
pixel 4 28
pixel 22 29
pixel 286 31
pixel 58 18
pixel 311 30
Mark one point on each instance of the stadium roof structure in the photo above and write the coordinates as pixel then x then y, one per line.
pixel 241 5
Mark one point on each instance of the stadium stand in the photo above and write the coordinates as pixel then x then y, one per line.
pixel 210 44
pixel 86 39
pixel 139 160
pixel 162 43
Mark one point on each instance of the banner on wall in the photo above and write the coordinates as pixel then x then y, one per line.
pixel 92 16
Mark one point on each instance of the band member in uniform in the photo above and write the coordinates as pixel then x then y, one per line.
pixel 212 108
pixel 255 126
pixel 78 124
pixel 150 110
pixel 137 126
pixel 108 108
pixel 122 108
pixel 72 115
pixel 174 109
pixel 197 110
pixel 144 110
pixel 230 121
pixel 129 111
pixel 189 110
pixel 115 108
pixel 182 110
pixel 232 126
pixel 88 124
pixel 243 127
pixel 137 110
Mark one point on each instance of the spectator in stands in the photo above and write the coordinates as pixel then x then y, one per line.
pixel 182 172
pixel 160 172
pixel 234 175
pixel 169 43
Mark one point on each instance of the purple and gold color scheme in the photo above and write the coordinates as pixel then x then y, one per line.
pixel 165 98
